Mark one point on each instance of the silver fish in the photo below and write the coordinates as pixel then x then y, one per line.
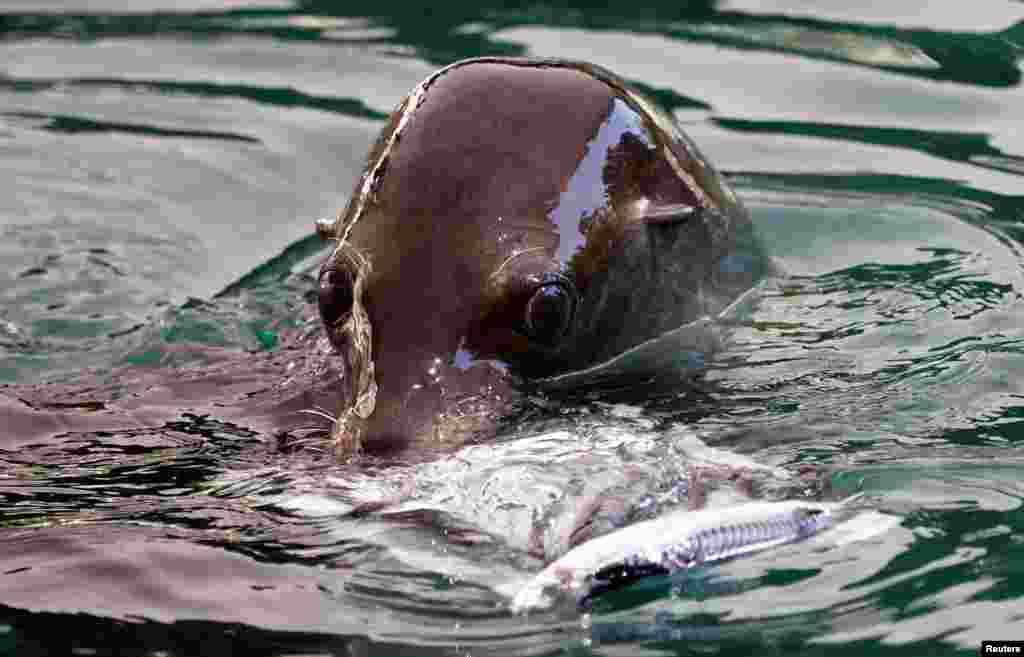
pixel 674 542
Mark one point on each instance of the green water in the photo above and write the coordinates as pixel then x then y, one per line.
pixel 162 165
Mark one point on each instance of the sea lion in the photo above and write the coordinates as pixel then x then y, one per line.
pixel 517 219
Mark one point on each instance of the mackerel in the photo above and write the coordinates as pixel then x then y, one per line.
pixel 674 542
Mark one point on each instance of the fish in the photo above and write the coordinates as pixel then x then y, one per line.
pixel 675 542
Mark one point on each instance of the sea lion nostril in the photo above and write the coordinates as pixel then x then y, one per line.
pixel 334 295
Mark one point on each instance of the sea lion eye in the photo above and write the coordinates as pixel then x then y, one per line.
pixel 334 295
pixel 550 310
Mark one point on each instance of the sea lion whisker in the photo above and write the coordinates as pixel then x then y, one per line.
pixel 321 409
pixel 513 257
pixel 319 413
pixel 306 432
pixel 314 441
pixel 309 427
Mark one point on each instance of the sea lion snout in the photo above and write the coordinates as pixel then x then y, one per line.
pixel 431 387
pixel 447 406
pixel 517 219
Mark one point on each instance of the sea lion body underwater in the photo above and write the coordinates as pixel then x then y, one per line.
pixel 517 219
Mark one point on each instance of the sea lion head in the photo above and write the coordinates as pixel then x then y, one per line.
pixel 517 219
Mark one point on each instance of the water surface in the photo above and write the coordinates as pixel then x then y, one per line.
pixel 162 166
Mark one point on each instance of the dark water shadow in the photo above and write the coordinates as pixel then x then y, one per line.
pixel 437 35
pixel 273 96
pixel 32 633
pixel 63 123
pixel 967 147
